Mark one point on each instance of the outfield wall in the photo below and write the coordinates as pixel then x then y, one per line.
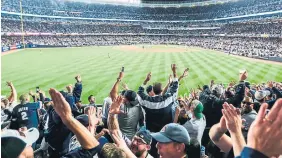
pixel 30 45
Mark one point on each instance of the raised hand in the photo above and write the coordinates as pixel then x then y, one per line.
pixel 232 117
pixel 265 134
pixel 148 77
pixel 173 67
pixel 31 93
pixel 222 124
pixel 78 78
pixel 10 84
pixel 69 88
pixel 185 73
pixel 91 112
pixel 60 105
pixel 115 107
pixel 243 76
pixel 124 86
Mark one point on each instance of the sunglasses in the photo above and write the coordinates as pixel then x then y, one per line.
pixel 248 103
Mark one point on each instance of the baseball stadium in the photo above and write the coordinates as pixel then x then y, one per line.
pixel 140 67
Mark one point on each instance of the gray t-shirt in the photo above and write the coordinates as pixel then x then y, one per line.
pixel 105 109
pixel 196 127
pixel 249 117
pixel 129 122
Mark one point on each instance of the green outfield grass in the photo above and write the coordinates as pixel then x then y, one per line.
pixel 56 67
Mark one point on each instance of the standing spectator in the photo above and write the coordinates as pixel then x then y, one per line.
pixel 133 117
pixel 196 125
pixel 26 114
pixel 158 108
pixel 141 141
pixel 248 114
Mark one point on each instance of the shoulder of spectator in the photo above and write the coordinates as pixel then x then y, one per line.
pixel 251 153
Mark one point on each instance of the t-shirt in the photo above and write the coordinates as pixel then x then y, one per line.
pixel 26 114
pixel 249 117
pixel 128 122
pixel 196 127
pixel 105 109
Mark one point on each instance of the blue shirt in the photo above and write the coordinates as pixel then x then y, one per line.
pixel 251 153
pixel 26 115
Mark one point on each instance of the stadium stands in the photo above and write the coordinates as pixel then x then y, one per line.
pixel 64 127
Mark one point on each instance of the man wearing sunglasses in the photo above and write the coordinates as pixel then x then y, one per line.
pixel 248 114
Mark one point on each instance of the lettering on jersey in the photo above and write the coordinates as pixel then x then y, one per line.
pixel 23 109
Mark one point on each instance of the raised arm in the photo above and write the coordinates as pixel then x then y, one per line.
pixel 185 73
pixel 141 90
pixel 239 90
pixel 77 90
pixel 167 85
pixel 112 117
pixel 218 136
pixel 233 120
pixel 13 96
pixel 114 91
pixel 63 109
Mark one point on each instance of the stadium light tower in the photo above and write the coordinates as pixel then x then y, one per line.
pixel 21 7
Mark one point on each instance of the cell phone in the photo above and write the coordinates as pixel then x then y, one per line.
pixel 37 89
pixel 122 69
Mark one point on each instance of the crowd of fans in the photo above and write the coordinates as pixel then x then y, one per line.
pixel 244 46
pixel 79 9
pixel 153 121
pixel 272 28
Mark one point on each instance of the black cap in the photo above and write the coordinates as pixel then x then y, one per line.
pixel 149 89
pixel 83 119
pixel 130 95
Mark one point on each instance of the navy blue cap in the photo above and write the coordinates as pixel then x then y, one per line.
pixel 145 136
pixel 102 141
pixel 172 133
pixel 83 119
pixel 130 95
pixel 46 100
pixel 149 89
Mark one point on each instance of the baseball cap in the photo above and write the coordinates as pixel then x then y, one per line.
pixel 12 143
pixel 172 132
pixel 130 95
pixel 259 95
pixel 198 111
pixel 46 100
pixel 149 89
pixel 247 100
pixel 145 136
pixel 83 119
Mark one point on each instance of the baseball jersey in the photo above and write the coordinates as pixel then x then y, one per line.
pixel 26 115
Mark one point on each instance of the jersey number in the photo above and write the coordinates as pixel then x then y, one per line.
pixel 24 116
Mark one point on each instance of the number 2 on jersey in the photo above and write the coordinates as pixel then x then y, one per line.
pixel 24 116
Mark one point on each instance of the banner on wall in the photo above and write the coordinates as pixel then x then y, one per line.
pixel 5 48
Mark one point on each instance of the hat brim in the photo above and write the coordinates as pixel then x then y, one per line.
pixel 160 137
pixel 31 136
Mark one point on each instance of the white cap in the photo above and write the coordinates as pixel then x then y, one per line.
pixel 30 136
pixel 259 95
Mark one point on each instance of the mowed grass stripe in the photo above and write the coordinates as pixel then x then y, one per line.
pixel 59 65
